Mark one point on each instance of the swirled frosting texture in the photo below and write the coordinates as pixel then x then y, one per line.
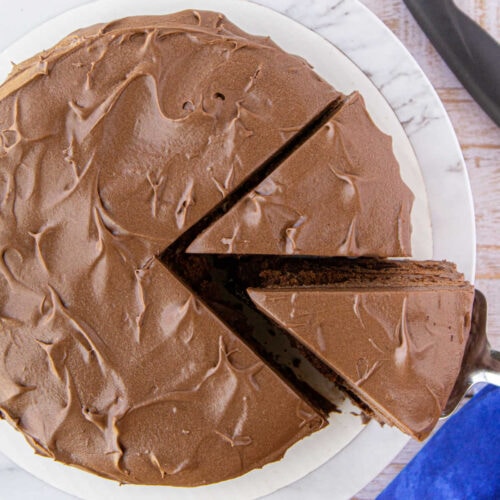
pixel 112 144
pixel 340 194
pixel 400 350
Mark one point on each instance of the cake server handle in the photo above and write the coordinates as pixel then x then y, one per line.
pixel 480 364
pixel 470 52
pixel 488 374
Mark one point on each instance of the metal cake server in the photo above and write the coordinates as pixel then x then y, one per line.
pixel 481 364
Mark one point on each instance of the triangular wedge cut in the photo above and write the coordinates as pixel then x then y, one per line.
pixel 398 350
pixel 339 194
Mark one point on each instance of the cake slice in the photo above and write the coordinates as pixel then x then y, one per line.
pixel 339 194
pixel 396 344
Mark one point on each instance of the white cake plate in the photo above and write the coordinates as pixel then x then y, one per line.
pixel 403 104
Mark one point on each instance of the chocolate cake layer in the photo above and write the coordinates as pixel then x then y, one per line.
pixel 275 271
pixel 340 194
pixel 397 347
pixel 112 145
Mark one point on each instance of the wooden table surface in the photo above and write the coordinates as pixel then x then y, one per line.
pixel 480 141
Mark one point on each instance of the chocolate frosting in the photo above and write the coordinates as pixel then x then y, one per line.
pixel 340 194
pixel 399 350
pixel 113 144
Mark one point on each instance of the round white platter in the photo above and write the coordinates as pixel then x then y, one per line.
pixel 403 104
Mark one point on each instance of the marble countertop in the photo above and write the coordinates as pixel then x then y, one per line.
pixel 479 139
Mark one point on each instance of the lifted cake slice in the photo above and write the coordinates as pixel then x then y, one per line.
pixel 399 349
pixel 339 194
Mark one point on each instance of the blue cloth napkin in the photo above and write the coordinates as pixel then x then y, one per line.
pixel 461 461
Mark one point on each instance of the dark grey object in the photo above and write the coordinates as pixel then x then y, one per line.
pixel 470 52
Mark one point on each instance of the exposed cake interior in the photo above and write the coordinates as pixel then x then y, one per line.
pixel 279 272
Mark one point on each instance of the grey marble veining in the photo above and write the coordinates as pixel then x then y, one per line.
pixel 400 82
pixel 16 484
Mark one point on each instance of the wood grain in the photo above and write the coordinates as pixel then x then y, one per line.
pixel 479 138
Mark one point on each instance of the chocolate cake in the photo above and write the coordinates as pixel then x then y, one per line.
pixel 119 147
